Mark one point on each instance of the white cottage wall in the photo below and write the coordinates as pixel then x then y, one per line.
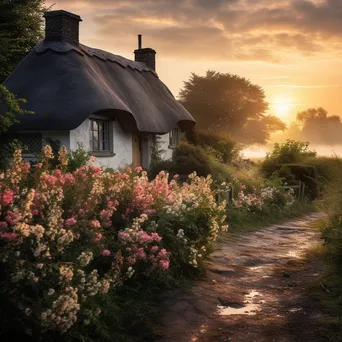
pixel 62 136
pixel 165 146
pixel 122 143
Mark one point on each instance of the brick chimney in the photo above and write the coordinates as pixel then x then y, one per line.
pixel 62 26
pixel 146 55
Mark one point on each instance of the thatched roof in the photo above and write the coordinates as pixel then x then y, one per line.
pixel 65 83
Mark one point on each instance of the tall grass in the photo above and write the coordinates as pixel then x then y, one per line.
pixel 329 288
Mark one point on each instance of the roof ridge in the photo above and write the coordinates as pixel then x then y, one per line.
pixel 64 47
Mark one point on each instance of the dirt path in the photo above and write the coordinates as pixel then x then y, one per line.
pixel 255 290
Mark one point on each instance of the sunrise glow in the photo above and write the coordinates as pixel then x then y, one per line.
pixel 281 107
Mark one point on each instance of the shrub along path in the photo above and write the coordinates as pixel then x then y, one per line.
pixel 255 289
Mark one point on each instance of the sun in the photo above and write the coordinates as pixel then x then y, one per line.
pixel 282 106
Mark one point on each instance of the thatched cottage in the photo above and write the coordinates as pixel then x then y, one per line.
pixel 112 105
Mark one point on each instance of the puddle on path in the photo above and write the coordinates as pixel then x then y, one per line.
pixel 246 308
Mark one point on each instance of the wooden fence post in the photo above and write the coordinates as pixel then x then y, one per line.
pixel 303 191
pixel 299 190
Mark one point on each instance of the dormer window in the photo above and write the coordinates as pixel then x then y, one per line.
pixel 174 137
pixel 101 136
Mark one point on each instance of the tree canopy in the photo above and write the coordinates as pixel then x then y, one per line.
pixel 318 127
pixel 229 104
pixel 13 108
pixel 20 30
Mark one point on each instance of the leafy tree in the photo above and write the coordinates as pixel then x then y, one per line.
pixel 12 106
pixel 229 104
pixel 290 151
pixel 318 127
pixel 20 30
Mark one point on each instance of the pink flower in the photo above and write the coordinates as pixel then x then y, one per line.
pixel 8 236
pixel 3 224
pixel 138 169
pixel 26 167
pixel 163 254
pixel 243 187
pixel 70 222
pixel 106 252
pixel 95 224
pixel 164 264
pixel 149 212
pixel 98 238
pixel 154 249
pixel 92 159
pixel 38 165
pixel 156 237
pixel 35 212
pixel 7 197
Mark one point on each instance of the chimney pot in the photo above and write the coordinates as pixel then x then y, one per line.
pixel 146 55
pixel 139 41
pixel 62 26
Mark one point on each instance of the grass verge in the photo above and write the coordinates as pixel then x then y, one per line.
pixel 327 290
pixel 242 220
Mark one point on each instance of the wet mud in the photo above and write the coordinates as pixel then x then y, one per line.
pixel 255 290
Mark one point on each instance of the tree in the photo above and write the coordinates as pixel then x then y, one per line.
pixel 12 105
pixel 20 30
pixel 320 128
pixel 229 104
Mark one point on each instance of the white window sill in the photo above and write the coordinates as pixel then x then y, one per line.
pixel 102 153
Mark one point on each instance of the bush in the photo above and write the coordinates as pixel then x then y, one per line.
pixel 77 158
pixel 70 240
pixel 286 153
pixel 186 158
pixel 220 146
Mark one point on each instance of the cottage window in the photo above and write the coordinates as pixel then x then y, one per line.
pixel 32 143
pixel 101 136
pixel 175 137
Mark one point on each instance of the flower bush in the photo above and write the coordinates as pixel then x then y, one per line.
pixel 68 238
pixel 261 196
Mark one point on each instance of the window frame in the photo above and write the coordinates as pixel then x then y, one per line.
pixel 175 137
pixel 105 135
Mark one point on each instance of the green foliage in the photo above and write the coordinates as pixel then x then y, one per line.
pixel 220 146
pixel 156 150
pixel 7 151
pixel 290 152
pixel 229 104
pixel 189 158
pixel 77 158
pixel 328 168
pixel 20 30
pixel 13 108
pixel 286 154
pixel 244 220
pixel 186 158
pixel 332 253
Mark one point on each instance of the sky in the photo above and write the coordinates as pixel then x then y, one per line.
pixel 292 48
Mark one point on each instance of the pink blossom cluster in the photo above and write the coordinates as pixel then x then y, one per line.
pixel 66 220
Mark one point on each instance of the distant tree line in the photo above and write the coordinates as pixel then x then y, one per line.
pixel 316 126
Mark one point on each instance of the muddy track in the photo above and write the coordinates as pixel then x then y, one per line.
pixel 255 290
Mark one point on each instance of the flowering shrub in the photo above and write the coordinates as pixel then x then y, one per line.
pixel 68 238
pixel 261 196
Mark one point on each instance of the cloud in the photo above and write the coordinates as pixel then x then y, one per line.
pixel 263 30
